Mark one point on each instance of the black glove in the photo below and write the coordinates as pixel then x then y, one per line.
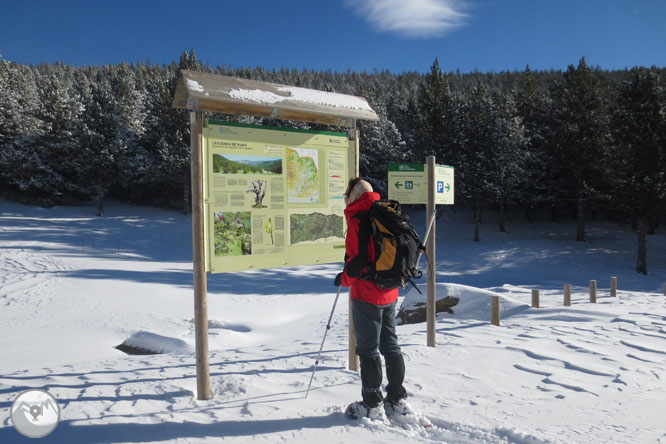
pixel 338 280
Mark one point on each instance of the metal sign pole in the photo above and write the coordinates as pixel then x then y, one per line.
pixel 425 238
pixel 432 255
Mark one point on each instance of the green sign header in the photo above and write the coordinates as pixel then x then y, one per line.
pixel 419 167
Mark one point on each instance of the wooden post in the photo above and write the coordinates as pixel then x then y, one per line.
pixel 495 310
pixel 355 135
pixel 567 295
pixel 431 306
pixel 353 360
pixel 593 291
pixel 613 287
pixel 535 298
pixel 198 256
pixel 664 289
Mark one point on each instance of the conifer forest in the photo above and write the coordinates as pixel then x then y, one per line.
pixel 581 143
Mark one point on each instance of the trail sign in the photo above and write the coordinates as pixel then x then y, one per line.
pixel 408 183
pixel 444 185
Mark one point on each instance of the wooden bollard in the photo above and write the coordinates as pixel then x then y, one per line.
pixel 567 295
pixel 593 291
pixel 535 298
pixel 495 310
pixel 613 289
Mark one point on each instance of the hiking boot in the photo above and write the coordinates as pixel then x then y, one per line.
pixel 358 410
pixel 398 408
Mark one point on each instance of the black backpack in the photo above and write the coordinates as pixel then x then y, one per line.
pixel 397 245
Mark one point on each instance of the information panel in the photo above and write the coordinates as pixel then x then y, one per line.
pixel 274 197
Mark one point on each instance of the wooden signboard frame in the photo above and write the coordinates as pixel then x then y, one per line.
pixel 200 92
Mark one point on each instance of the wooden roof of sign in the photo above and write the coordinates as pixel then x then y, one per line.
pixel 198 91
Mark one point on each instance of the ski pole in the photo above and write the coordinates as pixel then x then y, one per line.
pixel 328 327
pixel 425 239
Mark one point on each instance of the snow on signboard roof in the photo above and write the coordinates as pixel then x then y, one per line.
pixel 301 95
pixel 194 85
pixel 233 95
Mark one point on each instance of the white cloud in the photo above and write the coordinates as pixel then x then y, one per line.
pixel 412 18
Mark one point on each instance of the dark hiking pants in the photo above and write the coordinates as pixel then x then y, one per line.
pixel 374 326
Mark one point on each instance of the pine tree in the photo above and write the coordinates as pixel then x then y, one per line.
pixel 50 154
pixel 438 128
pixel 104 141
pixel 407 120
pixel 474 168
pixel 492 152
pixel 640 153
pixel 129 105
pixel 19 102
pixel 533 106
pixel 168 131
pixel 581 117
pixel 509 143
pixel 380 144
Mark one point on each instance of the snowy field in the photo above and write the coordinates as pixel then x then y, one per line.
pixel 73 286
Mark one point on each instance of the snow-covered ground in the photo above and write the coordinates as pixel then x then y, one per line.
pixel 73 286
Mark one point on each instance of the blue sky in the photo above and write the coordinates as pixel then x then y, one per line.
pixel 361 35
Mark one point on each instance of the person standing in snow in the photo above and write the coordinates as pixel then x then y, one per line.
pixel 373 312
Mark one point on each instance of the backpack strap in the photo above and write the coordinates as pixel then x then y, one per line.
pixel 358 264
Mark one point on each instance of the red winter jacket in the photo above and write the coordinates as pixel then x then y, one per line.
pixel 360 288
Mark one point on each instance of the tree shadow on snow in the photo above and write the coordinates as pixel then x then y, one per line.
pixel 84 380
pixel 165 431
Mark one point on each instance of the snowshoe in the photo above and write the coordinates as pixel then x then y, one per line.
pixel 401 414
pixel 398 408
pixel 358 410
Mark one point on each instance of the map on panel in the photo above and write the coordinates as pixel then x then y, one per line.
pixel 303 175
